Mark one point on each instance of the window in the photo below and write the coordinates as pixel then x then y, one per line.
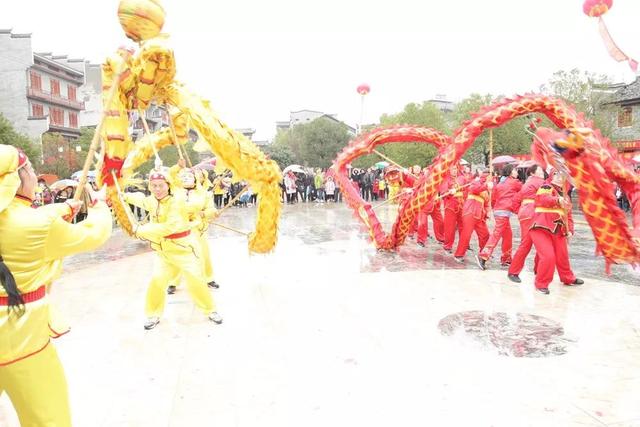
pixel 55 87
pixel 73 120
pixel 37 110
pixel 71 93
pixel 625 117
pixel 36 80
pixel 57 116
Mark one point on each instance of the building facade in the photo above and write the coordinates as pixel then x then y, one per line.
pixel 307 116
pixel 626 107
pixel 40 91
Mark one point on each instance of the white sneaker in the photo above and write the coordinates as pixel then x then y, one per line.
pixel 215 317
pixel 151 323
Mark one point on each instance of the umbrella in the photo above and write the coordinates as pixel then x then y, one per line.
pixel 294 168
pixel 381 165
pixel 63 183
pixel 48 178
pixel 207 164
pixel 637 158
pixel 503 159
pixel 526 163
pixel 91 175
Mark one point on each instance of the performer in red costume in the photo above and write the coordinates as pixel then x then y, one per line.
pixel 524 204
pixel 474 215
pixel 433 210
pixel 453 196
pixel 552 223
pixel 502 203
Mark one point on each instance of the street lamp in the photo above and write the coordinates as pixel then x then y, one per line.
pixel 363 90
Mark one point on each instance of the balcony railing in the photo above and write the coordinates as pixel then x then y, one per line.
pixel 65 129
pixel 53 99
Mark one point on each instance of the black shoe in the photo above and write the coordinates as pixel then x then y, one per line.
pixel 514 278
pixel 506 264
pixel 575 283
pixel 213 284
pixel 421 244
pixel 171 290
pixel 543 290
pixel 481 263
pixel 459 259
pixel 151 323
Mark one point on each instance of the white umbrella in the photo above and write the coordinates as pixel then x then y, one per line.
pixel 294 169
pixel 91 175
pixel 637 158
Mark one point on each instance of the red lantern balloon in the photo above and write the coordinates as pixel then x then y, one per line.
pixel 596 8
pixel 363 89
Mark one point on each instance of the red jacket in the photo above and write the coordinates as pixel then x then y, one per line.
pixel 549 213
pixel 524 201
pixel 456 201
pixel 477 200
pixel 504 193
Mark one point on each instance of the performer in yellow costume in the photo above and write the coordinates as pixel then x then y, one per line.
pixel 33 243
pixel 169 232
pixel 192 186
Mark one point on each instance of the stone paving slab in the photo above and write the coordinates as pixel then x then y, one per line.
pixel 314 335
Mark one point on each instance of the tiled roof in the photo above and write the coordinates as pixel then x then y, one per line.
pixel 627 93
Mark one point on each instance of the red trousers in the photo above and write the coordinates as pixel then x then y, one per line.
pixel 452 221
pixel 553 254
pixel 469 225
pixel 519 257
pixel 414 226
pixel 502 230
pixel 423 225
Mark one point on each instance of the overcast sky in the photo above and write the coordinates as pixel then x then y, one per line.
pixel 258 60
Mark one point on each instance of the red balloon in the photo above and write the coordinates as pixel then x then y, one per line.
pixel 596 8
pixel 363 89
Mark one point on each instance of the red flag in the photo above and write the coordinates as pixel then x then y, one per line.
pixel 613 49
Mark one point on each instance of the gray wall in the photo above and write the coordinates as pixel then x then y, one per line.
pixel 15 59
pixel 627 133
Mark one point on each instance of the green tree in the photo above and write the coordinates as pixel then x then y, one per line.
pixel 407 154
pixel 58 157
pixel 313 144
pixel 510 138
pixel 9 136
pixel 169 156
pixel 322 139
pixel 587 92
pixel 281 154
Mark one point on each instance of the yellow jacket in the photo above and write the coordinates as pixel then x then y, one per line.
pixel 166 217
pixel 33 243
pixel 199 206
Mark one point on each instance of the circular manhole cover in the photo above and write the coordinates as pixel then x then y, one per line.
pixel 517 335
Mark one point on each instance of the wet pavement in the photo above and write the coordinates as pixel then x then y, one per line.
pixel 317 224
pixel 328 331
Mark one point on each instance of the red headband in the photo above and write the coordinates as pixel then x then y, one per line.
pixel 157 176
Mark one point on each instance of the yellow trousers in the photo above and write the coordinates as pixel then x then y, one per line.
pixel 38 389
pixel 177 259
pixel 205 257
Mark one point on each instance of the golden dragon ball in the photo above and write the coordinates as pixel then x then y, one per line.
pixel 141 19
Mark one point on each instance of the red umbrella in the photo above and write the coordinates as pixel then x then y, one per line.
pixel 502 160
